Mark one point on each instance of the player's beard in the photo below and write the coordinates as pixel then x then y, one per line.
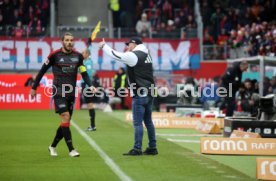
pixel 68 48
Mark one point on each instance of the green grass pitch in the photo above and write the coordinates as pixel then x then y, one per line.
pixel 26 135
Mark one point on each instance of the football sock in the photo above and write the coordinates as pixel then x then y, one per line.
pixel 67 135
pixel 58 137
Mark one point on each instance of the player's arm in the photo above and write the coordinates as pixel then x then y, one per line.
pixel 89 68
pixel 85 75
pixel 128 58
pixel 86 78
pixel 46 65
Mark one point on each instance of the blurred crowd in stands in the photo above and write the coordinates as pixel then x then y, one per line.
pixel 162 18
pixel 248 25
pixel 22 18
pixel 245 25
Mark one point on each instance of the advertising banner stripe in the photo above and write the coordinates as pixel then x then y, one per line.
pixel 238 146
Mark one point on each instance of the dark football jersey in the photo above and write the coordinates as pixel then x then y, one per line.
pixel 65 69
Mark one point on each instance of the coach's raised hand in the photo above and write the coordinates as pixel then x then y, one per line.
pixel 101 44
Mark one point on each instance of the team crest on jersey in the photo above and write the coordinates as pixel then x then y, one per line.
pixel 74 59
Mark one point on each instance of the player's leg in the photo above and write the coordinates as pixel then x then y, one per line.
pixel 59 134
pixel 89 98
pixel 138 111
pixel 58 137
pixel 66 117
pixel 65 126
pixel 92 115
pixel 151 150
pixel 64 106
pixel 59 103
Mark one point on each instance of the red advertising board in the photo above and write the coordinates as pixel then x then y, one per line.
pixel 15 80
pixel 19 98
pixel 13 94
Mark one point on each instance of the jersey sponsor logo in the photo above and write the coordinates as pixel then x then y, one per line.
pixel 61 60
pixel 70 69
pixel 61 105
pixel 74 59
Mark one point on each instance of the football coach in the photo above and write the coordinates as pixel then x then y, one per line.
pixel 140 79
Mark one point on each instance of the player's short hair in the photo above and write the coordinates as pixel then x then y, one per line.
pixel 66 34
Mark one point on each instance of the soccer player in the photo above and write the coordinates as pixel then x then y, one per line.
pixel 65 63
pixel 88 96
pixel 140 76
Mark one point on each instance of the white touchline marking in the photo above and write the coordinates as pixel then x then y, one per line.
pixel 212 167
pixel 114 167
pixel 189 135
pixel 184 141
pixel 230 176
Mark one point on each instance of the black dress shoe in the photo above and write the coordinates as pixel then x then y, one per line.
pixel 150 151
pixel 133 152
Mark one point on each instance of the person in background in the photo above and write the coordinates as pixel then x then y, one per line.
pixel 244 97
pixel 232 77
pixel 88 95
pixel 119 82
pixel 143 26
pixel 18 30
pixel 209 97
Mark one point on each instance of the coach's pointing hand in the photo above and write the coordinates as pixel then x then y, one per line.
pixel 101 44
